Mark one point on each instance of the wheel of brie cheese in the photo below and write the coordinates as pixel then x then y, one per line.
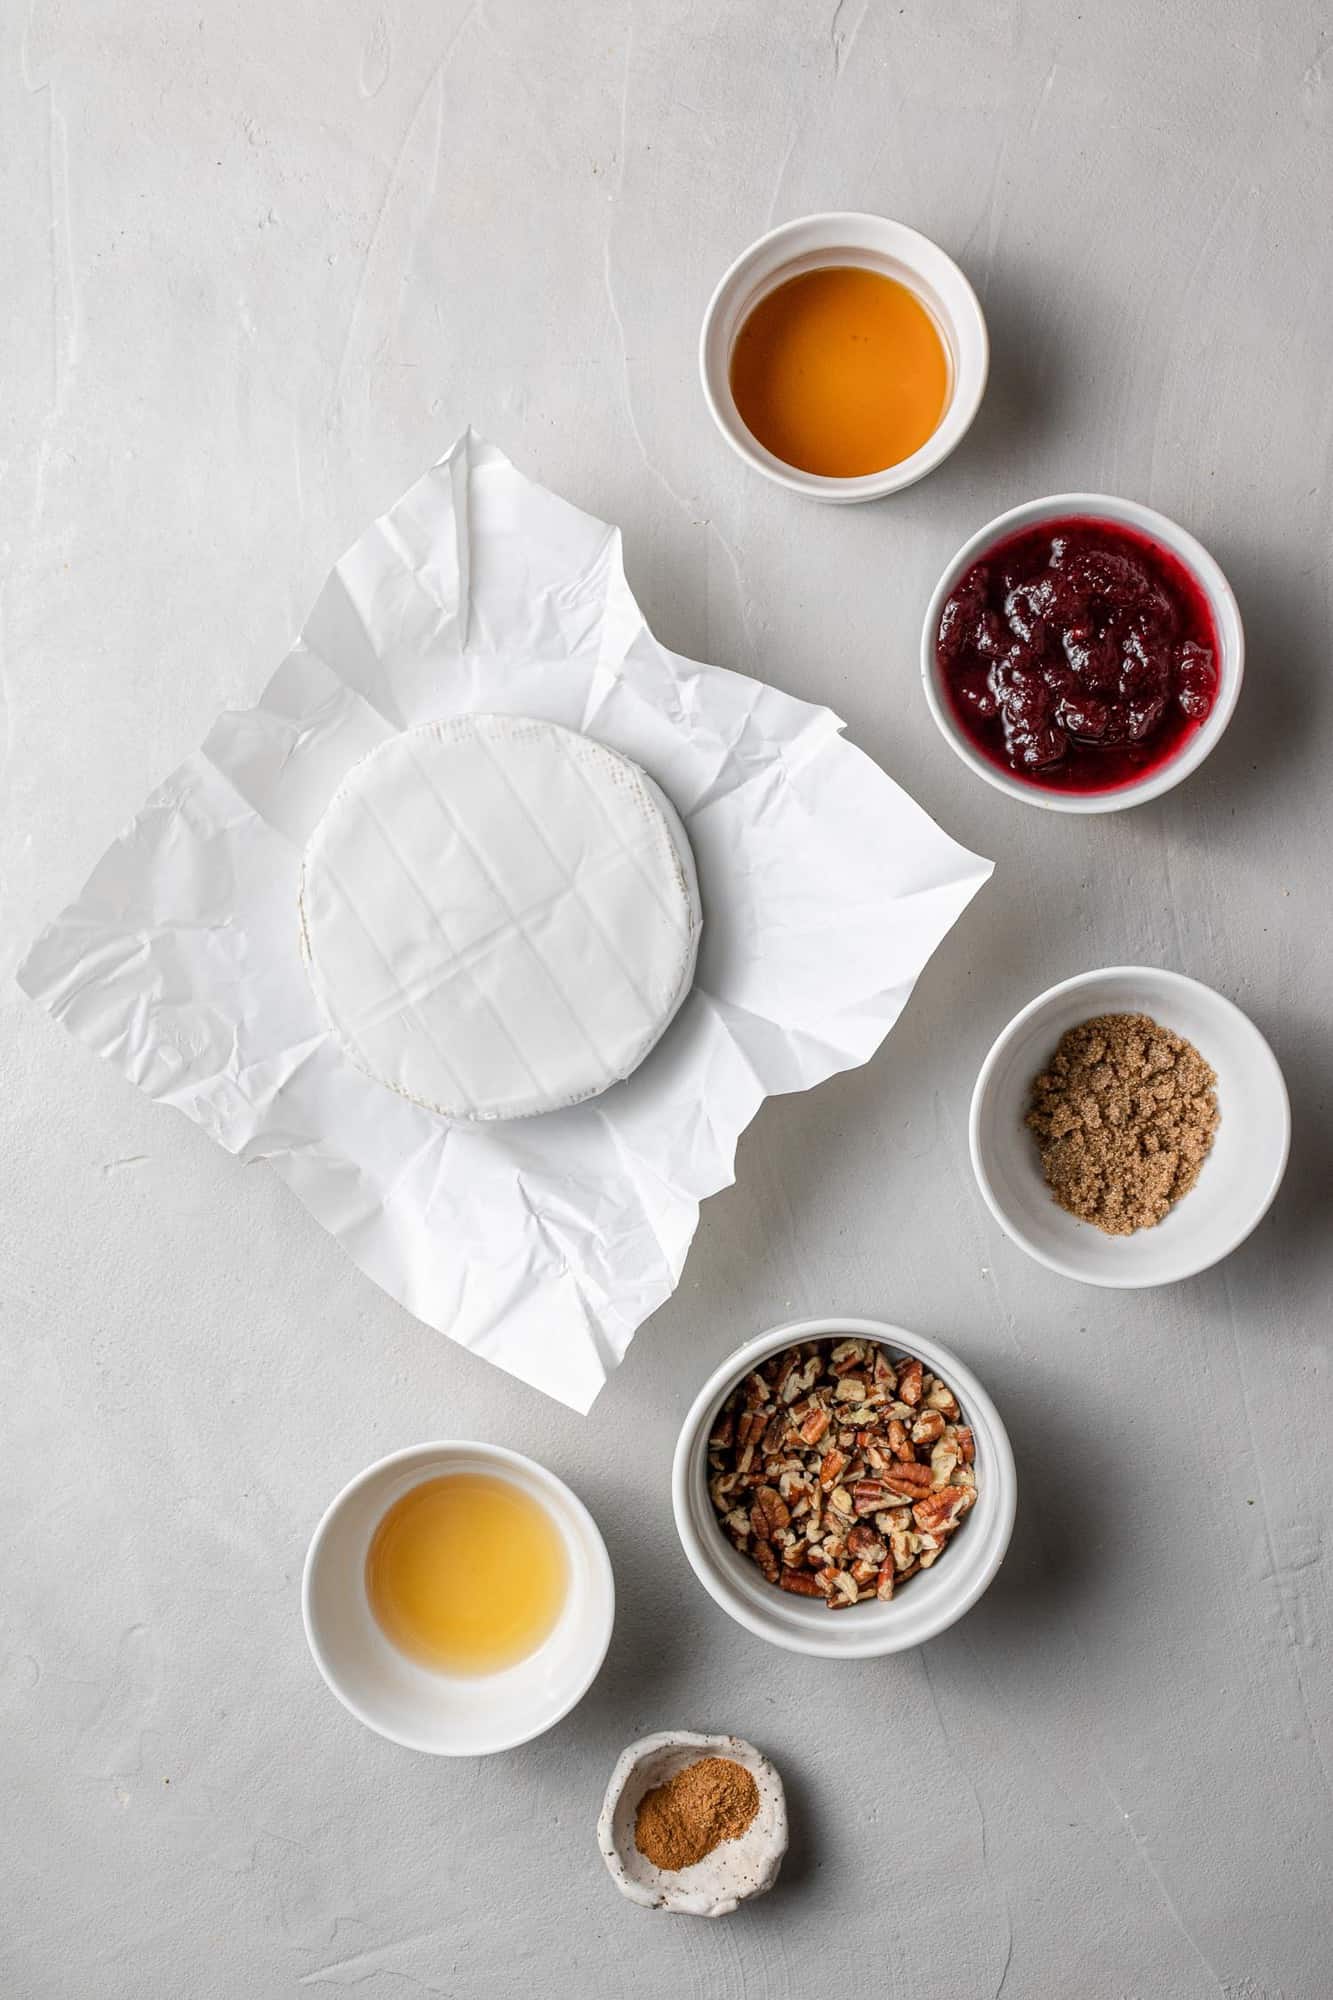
pixel 499 917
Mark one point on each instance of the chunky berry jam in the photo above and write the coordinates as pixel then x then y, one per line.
pixel 1078 655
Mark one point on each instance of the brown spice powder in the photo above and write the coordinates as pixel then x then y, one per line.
pixel 1124 1118
pixel 679 1822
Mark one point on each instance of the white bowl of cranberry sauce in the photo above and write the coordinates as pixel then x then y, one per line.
pixel 1082 653
pixel 925 1602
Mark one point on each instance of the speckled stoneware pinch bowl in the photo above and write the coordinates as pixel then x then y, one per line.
pixel 734 1871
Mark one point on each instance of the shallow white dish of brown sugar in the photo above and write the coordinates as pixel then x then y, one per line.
pixel 1238 1179
pixel 734 1871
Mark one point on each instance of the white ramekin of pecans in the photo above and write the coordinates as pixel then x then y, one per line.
pixel 844 1467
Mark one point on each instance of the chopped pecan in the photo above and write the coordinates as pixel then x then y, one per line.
pixel 899 1442
pixel 756 1391
pixel 798 1379
pixel 883 1371
pixel 909 1383
pixel 865 1544
pixel 765 1556
pixel 928 1427
pixel 831 1467
pixel 769 1513
pixel 909 1481
pixel 846 1355
pixel 943 1459
pixel 940 1511
pixel 801 1582
pixel 943 1399
pixel 814 1424
pixel 868 1494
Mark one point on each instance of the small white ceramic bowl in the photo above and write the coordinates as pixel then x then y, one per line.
pixel 1221 602
pixel 734 1871
pixel 929 1602
pixel 451 1715
pixel 1238 1180
pixel 873 243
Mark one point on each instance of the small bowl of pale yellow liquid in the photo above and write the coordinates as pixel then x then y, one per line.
pixel 458 1598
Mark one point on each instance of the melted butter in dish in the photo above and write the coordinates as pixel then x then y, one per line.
pixel 499 916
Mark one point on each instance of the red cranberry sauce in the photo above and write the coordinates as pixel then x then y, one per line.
pixel 1078 655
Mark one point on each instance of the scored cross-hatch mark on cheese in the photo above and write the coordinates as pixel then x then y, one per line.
pixel 499 916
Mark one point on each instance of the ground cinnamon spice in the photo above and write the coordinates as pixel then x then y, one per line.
pixel 1124 1117
pixel 679 1822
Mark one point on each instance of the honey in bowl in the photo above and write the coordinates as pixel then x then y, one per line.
pixel 841 372
pixel 467 1574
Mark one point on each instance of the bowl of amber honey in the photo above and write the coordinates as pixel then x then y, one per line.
pixel 458 1598
pixel 844 356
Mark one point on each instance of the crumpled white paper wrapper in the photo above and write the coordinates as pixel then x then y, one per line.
pixel 541 1243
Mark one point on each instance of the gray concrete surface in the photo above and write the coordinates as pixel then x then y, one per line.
pixel 261 264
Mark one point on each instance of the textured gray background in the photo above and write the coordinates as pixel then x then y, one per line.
pixel 266 260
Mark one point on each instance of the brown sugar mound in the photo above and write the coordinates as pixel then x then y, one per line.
pixel 1124 1118
pixel 679 1822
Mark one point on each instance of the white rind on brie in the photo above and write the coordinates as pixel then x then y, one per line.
pixel 499 916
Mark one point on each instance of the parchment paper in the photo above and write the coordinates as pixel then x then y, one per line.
pixel 542 1243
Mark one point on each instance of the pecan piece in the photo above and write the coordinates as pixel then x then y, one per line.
pixel 814 1424
pixel 908 1481
pixel 764 1555
pixel 799 1378
pixel 775 1437
pixel 928 1427
pixel 769 1514
pixel 909 1382
pixel 942 1462
pixel 942 1399
pixel 868 1494
pixel 801 1583
pixel 831 1467
pixel 845 1356
pixel 884 1581
pixel 865 1544
pixel 940 1511
pixel 899 1442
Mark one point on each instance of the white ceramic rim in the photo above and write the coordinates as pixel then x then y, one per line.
pixel 997 1050
pixel 502 1458
pixel 959 318
pixel 992 1517
pixel 1221 603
